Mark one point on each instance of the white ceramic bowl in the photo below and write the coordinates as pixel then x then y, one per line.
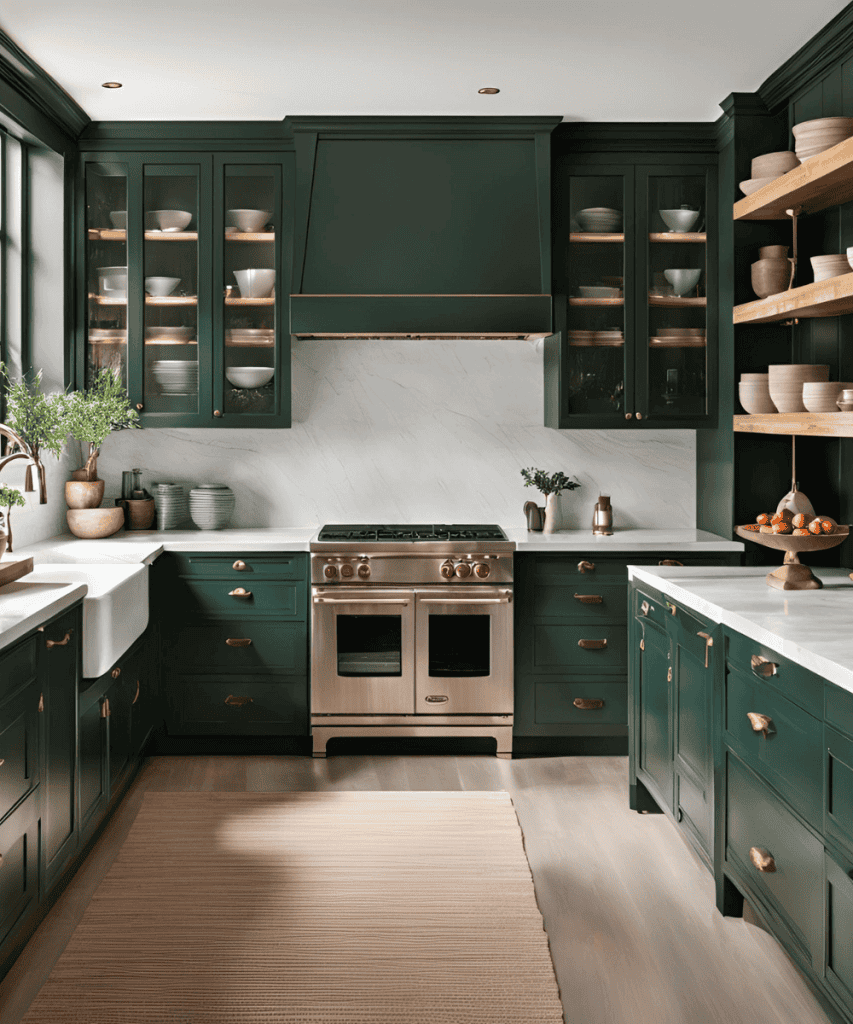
pixel 161 286
pixel 255 284
pixel 112 282
pixel 248 220
pixel 774 164
pixel 682 281
pixel 249 376
pixel 822 396
pixel 755 399
pixel 679 221
pixel 596 291
pixel 118 219
pixel 167 220
pixel 832 265
pixel 754 184
pixel 600 219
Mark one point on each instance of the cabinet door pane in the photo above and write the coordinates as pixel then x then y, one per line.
pixel 106 270
pixel 674 349
pixel 170 269
pixel 251 272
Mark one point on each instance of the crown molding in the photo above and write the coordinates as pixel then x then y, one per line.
pixel 383 126
pixel 626 136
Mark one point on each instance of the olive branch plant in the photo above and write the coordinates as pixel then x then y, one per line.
pixel 547 484
pixel 92 415
pixel 10 497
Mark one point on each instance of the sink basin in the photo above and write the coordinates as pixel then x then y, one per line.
pixel 115 611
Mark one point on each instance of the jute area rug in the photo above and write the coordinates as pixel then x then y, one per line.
pixel 316 908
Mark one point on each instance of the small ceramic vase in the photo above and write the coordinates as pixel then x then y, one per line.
pixel 771 274
pixel 552 513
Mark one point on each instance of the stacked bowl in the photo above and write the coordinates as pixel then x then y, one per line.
pixel 833 265
pixel 786 384
pixel 176 376
pixel 754 393
pixel 813 137
pixel 252 337
pixel 172 508
pixel 600 220
pixel 768 167
pixel 822 396
pixel 211 506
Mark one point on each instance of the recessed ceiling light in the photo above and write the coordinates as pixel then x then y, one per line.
pixel 111 85
pixel 488 92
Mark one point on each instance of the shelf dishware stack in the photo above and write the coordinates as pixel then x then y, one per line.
pixel 786 384
pixel 176 376
pixel 754 393
pixel 822 396
pixel 172 506
pixel 211 506
pixel 774 165
pixel 600 220
pixel 832 265
pixel 813 137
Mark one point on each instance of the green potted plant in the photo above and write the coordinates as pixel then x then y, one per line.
pixel 551 486
pixel 91 416
pixel 9 498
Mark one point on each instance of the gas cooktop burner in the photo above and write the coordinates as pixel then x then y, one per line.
pixel 411 533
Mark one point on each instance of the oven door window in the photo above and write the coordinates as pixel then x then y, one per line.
pixel 370 645
pixel 460 646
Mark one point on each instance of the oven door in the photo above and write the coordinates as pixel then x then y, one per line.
pixel 463 655
pixel 361 651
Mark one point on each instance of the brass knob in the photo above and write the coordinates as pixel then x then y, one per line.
pixel 760 723
pixel 588 703
pixel 116 672
pixel 240 566
pixel 364 570
pixel 481 570
pixel 136 695
pixel 762 859
pixel 639 415
pixel 237 702
pixel 50 644
pixel 238 641
pixel 347 571
pixel 589 598
pixel 240 592
pixel 629 415
pixel 644 608
pixel 584 566
pixel 217 413
pixel 593 645
pixel 447 570
pixel 330 572
pixel 462 570
pixel 762 666
pixel 139 406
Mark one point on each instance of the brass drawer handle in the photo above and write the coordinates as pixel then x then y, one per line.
pixel 50 644
pixel 105 708
pixel 672 609
pixel 763 667
pixel 237 702
pixel 588 703
pixel 762 859
pixel 436 698
pixel 240 592
pixel 2 761
pixel 585 566
pixel 593 645
pixel 644 608
pixel 671 561
pixel 760 723
pixel 240 566
pixel 709 643
pixel 238 641
pixel 136 695
pixel 589 598
pixel 116 672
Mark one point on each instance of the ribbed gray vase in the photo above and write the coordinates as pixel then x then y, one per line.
pixel 211 506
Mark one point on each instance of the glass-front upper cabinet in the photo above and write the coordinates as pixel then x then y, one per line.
pixel 185 268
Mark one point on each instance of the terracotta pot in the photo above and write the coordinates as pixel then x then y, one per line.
pixel 769 277
pixel 84 493
pixel 138 512
pixel 93 523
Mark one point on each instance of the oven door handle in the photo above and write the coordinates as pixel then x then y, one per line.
pixel 468 600
pixel 361 600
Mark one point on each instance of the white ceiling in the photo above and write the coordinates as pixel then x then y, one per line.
pixel 591 60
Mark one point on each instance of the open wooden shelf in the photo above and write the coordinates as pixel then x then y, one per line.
pixel 803 424
pixel 824 180
pixel 596 302
pixel 155 300
pixel 590 236
pixel 120 235
pixel 822 298
pixel 250 302
pixel 678 301
pixel 676 236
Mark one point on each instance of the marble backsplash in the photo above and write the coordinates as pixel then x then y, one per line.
pixel 412 431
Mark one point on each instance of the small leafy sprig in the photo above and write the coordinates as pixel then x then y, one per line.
pixel 11 497
pixel 94 414
pixel 553 484
pixel 37 418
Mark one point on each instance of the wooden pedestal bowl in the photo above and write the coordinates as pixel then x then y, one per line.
pixel 792 574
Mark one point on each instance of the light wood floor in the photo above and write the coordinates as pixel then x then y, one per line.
pixel 629 909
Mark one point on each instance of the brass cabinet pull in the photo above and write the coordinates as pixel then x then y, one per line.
pixel 669 674
pixel 588 703
pixel 436 698
pixel 136 695
pixel 670 561
pixel 2 761
pixel 238 641
pixel 50 644
pixel 709 642
pixel 760 723
pixel 237 702
pixel 639 415
pixel 240 592
pixel 642 644
pixel 240 566
pixel 585 566
pixel 41 702
pixel 217 413
pixel 644 608
pixel 762 859
pixel 105 708
pixel 629 415
pixel 593 645
pixel 763 667
pixel 672 609
pixel 589 598
pixel 116 672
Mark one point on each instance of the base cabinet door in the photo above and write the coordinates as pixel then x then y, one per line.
pixel 19 868
pixel 119 698
pixel 228 706
pixel 839 934
pixel 92 739
pixel 655 716
pixel 19 746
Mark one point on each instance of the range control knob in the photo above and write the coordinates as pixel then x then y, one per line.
pixel 347 571
pixel 463 570
pixel 330 572
pixel 481 570
pixel 364 570
pixel 446 570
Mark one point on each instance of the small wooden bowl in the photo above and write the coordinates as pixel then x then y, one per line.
pixel 94 523
pixel 792 574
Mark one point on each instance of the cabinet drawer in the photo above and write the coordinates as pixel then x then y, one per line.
pixel 566 647
pixel 240 566
pixel 757 819
pixel 199 647
pixel 839 708
pixel 19 883
pixel 17 666
pixel 582 602
pixel 272 598
pixel 798 684
pixel 19 747
pixel 575 702
pixel 241 707
pixel 789 756
pixel 839 932
pixel 579 568
pixel 838 811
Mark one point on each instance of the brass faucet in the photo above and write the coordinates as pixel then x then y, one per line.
pixel 23 451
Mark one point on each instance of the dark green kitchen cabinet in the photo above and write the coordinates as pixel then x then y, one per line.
pixel 185 275
pixel 19 872
pixel 92 740
pixel 631 347
pixel 653 702
pixel 839 928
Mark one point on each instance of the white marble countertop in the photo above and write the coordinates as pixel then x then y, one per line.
pixel 695 541
pixel 814 628
pixel 25 606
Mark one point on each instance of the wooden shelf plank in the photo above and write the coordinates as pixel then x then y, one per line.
pixel 120 235
pixel 250 302
pixel 823 181
pixel 589 236
pixel 596 302
pixel 678 301
pixel 250 236
pixel 675 236
pixel 822 298
pixel 814 424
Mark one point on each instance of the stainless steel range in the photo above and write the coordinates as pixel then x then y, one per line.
pixel 412 633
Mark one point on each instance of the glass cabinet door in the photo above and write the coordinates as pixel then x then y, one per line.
pixel 597 273
pixel 106 323
pixel 249 377
pixel 674 335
